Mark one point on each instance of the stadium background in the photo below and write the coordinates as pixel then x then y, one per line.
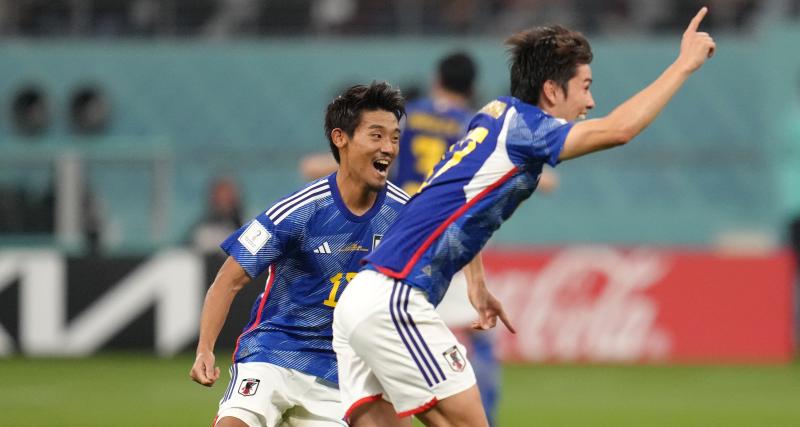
pixel 660 293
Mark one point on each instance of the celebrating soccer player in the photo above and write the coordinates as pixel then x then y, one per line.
pixel 395 353
pixel 311 242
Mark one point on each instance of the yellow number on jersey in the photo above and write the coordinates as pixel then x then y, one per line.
pixel 461 148
pixel 427 151
pixel 336 280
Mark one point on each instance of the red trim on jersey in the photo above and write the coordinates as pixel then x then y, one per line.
pixel 214 423
pixel 360 402
pixel 440 229
pixel 260 310
pixel 422 408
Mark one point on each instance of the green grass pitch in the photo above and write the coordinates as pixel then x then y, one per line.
pixel 137 390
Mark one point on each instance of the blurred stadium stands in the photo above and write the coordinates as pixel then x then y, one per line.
pixel 185 106
pixel 191 110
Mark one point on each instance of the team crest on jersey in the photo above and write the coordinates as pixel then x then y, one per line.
pixel 249 386
pixel 376 240
pixel 455 359
pixel 354 247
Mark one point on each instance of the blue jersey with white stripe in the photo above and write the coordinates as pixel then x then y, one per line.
pixel 474 188
pixel 312 246
pixel 429 130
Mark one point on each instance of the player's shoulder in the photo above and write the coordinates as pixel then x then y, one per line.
pixel 299 204
pixel 395 196
pixel 419 104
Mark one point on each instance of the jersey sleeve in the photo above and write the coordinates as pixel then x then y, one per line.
pixel 257 244
pixel 540 137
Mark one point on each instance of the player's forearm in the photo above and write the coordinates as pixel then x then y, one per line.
pixel 638 112
pixel 215 311
pixel 230 279
pixel 476 281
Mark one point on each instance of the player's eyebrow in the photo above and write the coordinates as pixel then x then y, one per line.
pixel 383 128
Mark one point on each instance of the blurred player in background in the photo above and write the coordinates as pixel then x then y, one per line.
pixel 284 369
pixel 394 352
pixel 435 123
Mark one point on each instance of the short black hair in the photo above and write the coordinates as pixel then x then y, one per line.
pixel 457 73
pixel 545 53
pixel 344 112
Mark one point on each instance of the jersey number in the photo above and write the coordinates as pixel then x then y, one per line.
pixel 426 151
pixel 460 150
pixel 337 281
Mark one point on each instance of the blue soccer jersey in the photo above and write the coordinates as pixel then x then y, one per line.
pixel 429 130
pixel 312 246
pixel 474 188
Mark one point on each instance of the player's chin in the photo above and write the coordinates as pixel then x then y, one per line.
pixel 377 182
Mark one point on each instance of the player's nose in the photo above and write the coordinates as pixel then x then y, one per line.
pixel 389 147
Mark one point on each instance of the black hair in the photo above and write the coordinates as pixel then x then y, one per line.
pixel 545 53
pixel 344 112
pixel 457 73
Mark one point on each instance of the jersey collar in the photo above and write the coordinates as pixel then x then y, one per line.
pixel 337 199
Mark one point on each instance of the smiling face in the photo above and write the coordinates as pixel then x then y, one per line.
pixel 370 151
pixel 576 102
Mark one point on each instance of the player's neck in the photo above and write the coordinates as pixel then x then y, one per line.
pixel 355 193
pixel 449 99
pixel 549 109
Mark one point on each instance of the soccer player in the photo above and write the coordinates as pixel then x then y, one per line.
pixel 394 352
pixel 311 242
pixel 432 125
pixel 436 122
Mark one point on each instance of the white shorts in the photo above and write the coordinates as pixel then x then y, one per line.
pixel 390 343
pixel 266 395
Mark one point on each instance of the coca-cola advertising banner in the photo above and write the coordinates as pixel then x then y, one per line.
pixel 604 304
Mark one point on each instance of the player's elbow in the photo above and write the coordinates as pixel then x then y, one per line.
pixel 614 132
pixel 621 136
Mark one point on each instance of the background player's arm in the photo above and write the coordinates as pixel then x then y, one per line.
pixel 230 279
pixel 635 114
pixel 488 307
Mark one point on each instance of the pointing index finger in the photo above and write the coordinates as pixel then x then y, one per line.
pixel 695 24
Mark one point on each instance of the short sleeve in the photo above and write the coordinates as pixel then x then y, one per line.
pixel 538 136
pixel 257 244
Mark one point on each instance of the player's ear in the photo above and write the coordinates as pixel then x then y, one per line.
pixel 550 91
pixel 339 137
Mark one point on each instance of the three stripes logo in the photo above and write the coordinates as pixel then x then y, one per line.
pixel 323 249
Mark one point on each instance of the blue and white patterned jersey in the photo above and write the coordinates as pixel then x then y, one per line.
pixel 474 188
pixel 312 245
pixel 429 129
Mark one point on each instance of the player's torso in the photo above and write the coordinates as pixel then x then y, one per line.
pixel 428 132
pixel 291 321
pixel 317 266
pixel 476 186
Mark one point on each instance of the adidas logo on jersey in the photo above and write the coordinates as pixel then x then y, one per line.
pixel 323 249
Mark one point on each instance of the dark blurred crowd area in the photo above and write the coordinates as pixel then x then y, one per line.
pixel 249 18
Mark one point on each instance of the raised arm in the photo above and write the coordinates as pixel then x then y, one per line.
pixel 230 279
pixel 634 115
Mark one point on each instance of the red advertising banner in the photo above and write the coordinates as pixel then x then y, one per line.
pixel 605 304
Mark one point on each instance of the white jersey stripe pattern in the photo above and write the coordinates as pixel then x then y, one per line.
pixel 497 164
pixel 299 205
pixel 399 191
pixel 396 198
pixel 299 195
